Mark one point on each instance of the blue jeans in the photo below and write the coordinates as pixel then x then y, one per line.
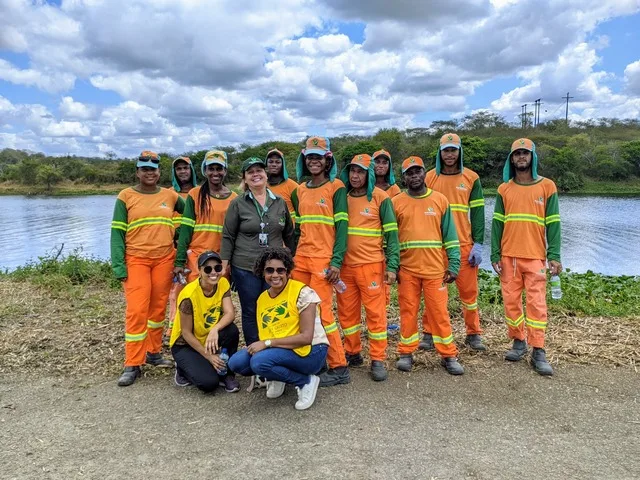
pixel 249 288
pixel 280 364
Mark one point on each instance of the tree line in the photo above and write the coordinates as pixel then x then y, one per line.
pixel 604 149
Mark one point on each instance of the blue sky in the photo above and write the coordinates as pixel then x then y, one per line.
pixel 95 77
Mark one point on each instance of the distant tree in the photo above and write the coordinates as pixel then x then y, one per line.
pixel 48 175
pixel 347 153
pixel 483 120
pixel 630 152
pixel 28 169
pixel 126 172
pixel 391 140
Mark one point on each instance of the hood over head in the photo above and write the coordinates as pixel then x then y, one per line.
pixel 390 177
pixel 449 140
pixel 319 146
pixel 174 180
pixel 509 171
pixel 365 162
pixel 275 151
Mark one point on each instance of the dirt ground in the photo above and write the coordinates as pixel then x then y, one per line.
pixel 497 421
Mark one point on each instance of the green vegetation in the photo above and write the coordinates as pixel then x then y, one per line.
pixel 594 157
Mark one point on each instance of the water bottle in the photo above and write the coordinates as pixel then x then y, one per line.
pixel 556 287
pixel 339 286
pixel 224 356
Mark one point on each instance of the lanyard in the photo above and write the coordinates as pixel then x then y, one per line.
pixel 262 211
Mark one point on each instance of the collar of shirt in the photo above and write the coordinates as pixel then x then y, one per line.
pixel 271 195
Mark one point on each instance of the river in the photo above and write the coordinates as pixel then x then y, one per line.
pixel 601 234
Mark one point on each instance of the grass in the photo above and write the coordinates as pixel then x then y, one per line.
pixel 64 316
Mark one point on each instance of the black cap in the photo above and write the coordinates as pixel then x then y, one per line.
pixel 206 256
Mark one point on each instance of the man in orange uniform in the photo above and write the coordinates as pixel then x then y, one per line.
pixel 463 189
pixel 425 227
pixel 183 179
pixel 525 233
pixel 142 256
pixel 279 181
pixel 321 227
pixel 371 219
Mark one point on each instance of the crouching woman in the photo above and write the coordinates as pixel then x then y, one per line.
pixel 203 328
pixel 293 345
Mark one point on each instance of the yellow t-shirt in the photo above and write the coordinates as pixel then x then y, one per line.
pixel 279 317
pixel 206 310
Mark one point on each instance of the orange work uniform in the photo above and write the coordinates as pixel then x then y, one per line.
pixel 200 230
pixel 142 253
pixel 425 227
pixel 285 190
pixel 321 226
pixel 464 193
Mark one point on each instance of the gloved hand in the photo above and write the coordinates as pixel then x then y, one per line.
pixel 475 257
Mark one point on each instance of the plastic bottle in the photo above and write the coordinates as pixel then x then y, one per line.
pixel 224 356
pixel 556 287
pixel 339 286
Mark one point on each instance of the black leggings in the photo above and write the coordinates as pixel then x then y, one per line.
pixel 197 369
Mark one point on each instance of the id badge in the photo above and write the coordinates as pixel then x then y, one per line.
pixel 263 239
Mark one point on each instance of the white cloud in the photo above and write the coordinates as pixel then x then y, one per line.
pixel 632 77
pixel 69 108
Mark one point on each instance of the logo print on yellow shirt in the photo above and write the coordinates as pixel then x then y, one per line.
pixel 430 211
pixel 212 316
pixel 274 314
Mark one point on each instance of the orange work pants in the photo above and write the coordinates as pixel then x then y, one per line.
pixel 146 290
pixel 467 283
pixel 364 287
pixel 435 304
pixel 310 271
pixel 520 274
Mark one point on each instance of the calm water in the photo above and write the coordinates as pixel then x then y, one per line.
pixel 599 234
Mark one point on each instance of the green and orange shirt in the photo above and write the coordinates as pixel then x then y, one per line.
pixel 526 221
pixel 321 220
pixel 285 190
pixel 425 227
pixel 201 230
pixel 372 223
pixel 142 225
pixel 177 216
pixel 466 199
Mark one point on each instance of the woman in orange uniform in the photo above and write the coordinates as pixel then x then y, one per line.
pixel 142 254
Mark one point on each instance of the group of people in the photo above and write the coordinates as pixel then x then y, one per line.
pixel 286 246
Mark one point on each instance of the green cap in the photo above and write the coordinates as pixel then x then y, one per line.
pixel 251 161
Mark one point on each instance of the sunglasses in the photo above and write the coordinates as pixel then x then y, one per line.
pixel 208 269
pixel 149 159
pixel 271 270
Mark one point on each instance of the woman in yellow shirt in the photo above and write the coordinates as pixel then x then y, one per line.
pixel 204 328
pixel 293 344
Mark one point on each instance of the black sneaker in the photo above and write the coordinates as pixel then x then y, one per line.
pixel 335 376
pixel 517 352
pixel 378 371
pixel 354 359
pixel 475 342
pixel 129 376
pixel 231 385
pixel 157 360
pixel 426 343
pixel 539 362
pixel 180 380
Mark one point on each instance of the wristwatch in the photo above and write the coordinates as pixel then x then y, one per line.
pixel 267 343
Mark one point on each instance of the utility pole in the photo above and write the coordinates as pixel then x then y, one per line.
pixel 566 115
pixel 523 116
pixel 536 116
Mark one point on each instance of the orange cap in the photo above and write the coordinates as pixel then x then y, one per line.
pixel 362 160
pixel 319 145
pixel 274 151
pixel 381 153
pixel 522 143
pixel 412 161
pixel 450 140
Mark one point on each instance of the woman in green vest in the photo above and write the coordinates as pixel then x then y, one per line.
pixel 293 345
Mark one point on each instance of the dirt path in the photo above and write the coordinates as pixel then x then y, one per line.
pixel 492 423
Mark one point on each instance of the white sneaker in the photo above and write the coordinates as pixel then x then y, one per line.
pixel 275 389
pixel 307 394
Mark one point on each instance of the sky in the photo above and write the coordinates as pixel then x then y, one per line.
pixel 90 77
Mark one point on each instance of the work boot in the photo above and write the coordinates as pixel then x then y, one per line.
pixel 129 375
pixel 452 365
pixel 426 343
pixel 517 352
pixel 378 371
pixel 539 362
pixel 335 376
pixel 475 342
pixel 404 363
pixel 157 360
pixel 354 359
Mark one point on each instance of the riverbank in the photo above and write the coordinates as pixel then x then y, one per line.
pixel 65 317
pixel 629 188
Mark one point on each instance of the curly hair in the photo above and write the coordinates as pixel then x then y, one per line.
pixel 273 253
